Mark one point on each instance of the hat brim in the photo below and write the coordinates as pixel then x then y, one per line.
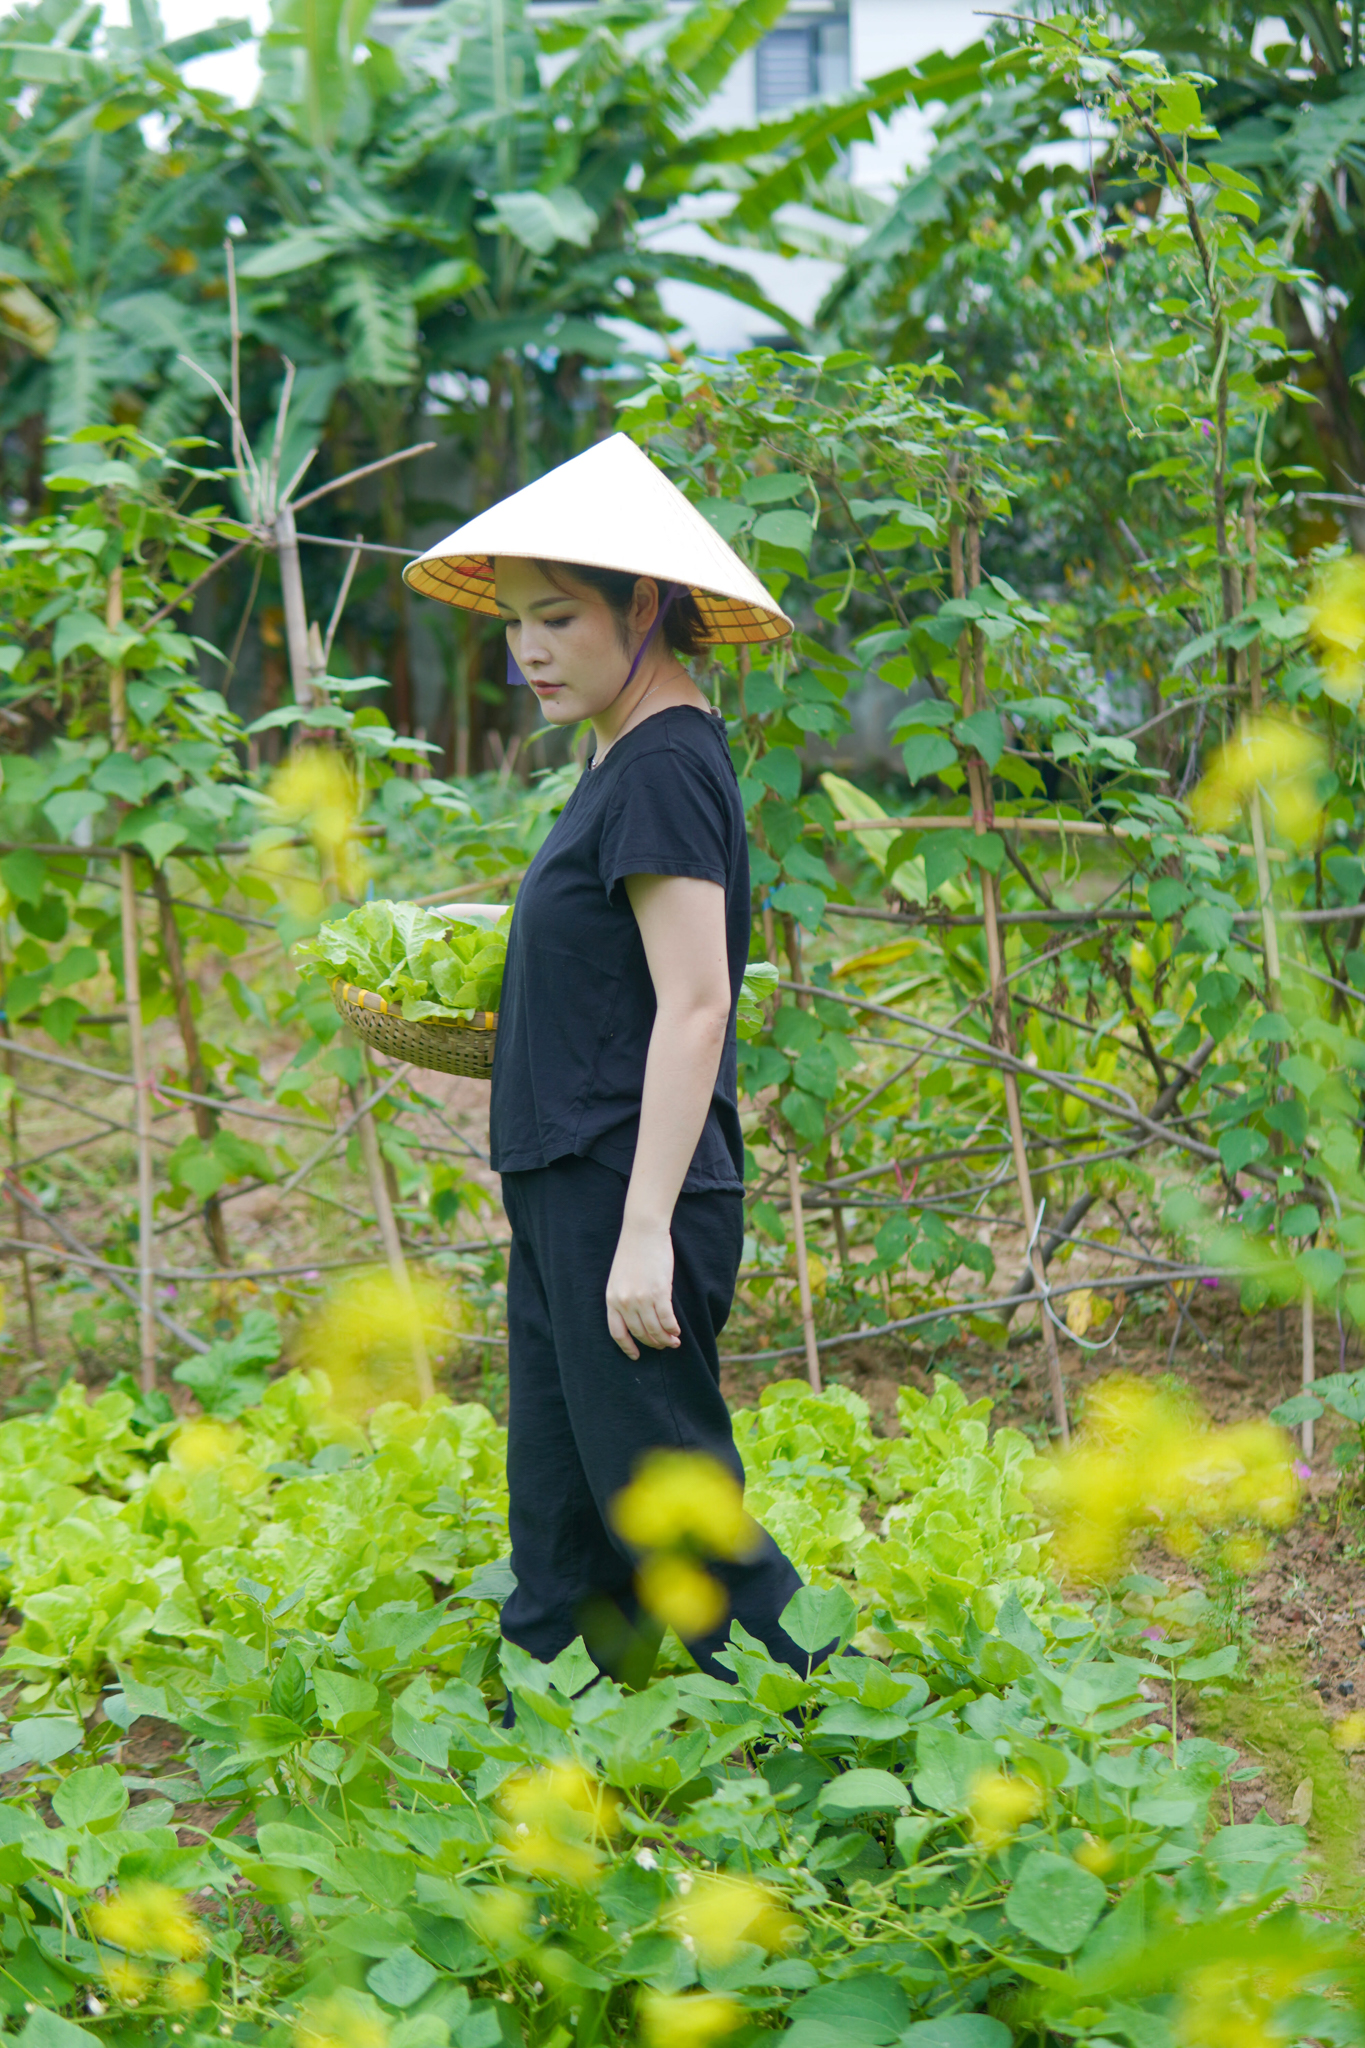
pixel 467 581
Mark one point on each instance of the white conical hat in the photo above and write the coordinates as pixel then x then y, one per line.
pixel 609 508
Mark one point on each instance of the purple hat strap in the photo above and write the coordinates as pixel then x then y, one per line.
pixel 669 593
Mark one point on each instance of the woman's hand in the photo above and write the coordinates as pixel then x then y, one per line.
pixel 640 1290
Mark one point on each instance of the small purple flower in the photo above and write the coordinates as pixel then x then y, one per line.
pixel 312 1274
pixel 1154 1635
pixel 1301 1470
pixel 1207 1280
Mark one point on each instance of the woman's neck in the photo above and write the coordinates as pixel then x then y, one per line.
pixel 661 684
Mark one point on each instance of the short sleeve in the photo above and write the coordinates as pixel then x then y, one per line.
pixel 667 816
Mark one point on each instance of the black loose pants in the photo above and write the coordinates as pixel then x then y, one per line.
pixel 582 1415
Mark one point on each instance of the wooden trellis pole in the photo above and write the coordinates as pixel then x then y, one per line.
pixel 972 663
pixel 132 995
pixel 803 1271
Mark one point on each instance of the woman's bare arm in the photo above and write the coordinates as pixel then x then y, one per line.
pixel 682 925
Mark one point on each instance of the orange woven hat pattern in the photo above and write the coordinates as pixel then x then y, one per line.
pixel 609 508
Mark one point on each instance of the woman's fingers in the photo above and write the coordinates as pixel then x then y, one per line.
pixel 620 1335
pixel 652 1322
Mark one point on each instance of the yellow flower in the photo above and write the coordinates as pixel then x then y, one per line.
pixel 149 1920
pixel 203 1446
pixel 684 1497
pixel 315 789
pixel 999 1806
pixel 185 1988
pixel 561 1789
pixel 817 1273
pixel 129 1981
pixel 719 1913
pixel 1284 760
pixel 1243 1554
pixel 680 1593
pixel 1147 1459
pixel 555 1814
pixel 1235 2004
pixel 1338 603
pixel 1097 1856
pixel 690 2021
pixel 498 1915
pixel 348 2019
pixel 542 1854
pixel 1349 1734
pixel 363 1337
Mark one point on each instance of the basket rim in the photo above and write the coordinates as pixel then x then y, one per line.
pixel 376 1005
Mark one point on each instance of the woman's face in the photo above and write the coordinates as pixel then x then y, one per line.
pixel 565 639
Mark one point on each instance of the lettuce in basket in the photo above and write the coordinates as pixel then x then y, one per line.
pixel 431 965
pixel 442 966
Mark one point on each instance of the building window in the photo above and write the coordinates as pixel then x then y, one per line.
pixel 802 60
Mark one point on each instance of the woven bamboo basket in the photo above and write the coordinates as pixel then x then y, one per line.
pixel 449 1048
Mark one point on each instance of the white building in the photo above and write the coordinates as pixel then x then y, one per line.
pixel 821 49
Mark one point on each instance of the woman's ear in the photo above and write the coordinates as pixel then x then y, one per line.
pixel 644 605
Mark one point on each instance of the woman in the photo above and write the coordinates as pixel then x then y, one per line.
pixel 614 1119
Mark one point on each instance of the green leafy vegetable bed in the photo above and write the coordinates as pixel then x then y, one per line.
pixel 984 1829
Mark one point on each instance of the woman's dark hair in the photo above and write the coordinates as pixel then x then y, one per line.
pixel 683 630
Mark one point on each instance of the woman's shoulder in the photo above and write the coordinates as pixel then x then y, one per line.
pixel 691 736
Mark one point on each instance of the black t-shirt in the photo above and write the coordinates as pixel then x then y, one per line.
pixel 578 1003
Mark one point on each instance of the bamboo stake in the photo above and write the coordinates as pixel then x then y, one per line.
pixel 1079 828
pixel 973 665
pixel 132 992
pixel 302 669
pixel 393 1248
pixel 205 1118
pixel 792 940
pixel 803 1271
pixel 20 1228
pixel 1272 943
pixel 1309 1365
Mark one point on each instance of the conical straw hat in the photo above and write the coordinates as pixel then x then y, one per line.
pixel 609 508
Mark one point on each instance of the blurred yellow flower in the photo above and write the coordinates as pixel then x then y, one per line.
pixel 203 1446
pixel 1148 1460
pixel 682 1595
pixel 1243 1555
pixel 1097 1856
pixel 315 790
pixel 679 1497
pixel 541 1853
pixel 535 1796
pixel 719 1913
pixel 1349 1733
pixel 149 1920
pixel 1283 760
pixel 186 1988
pixel 499 1915
pixel 1338 606
pixel 818 1273
pixel 361 1337
pixel 999 1806
pixel 689 2021
pixel 1235 2004
pixel 348 2019
pixel 556 1814
pixel 127 1980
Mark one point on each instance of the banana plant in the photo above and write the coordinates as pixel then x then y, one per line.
pixel 103 237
